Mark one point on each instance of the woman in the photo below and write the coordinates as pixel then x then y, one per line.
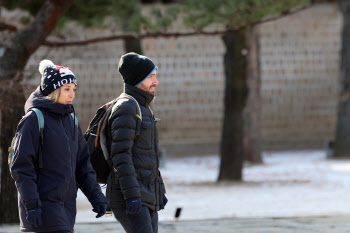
pixel 48 170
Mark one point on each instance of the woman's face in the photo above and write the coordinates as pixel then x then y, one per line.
pixel 67 94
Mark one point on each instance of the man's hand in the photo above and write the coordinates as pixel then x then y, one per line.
pixel 133 205
pixel 165 200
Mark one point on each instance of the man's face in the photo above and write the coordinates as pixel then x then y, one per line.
pixel 150 83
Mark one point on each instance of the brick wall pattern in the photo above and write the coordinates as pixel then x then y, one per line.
pixel 299 60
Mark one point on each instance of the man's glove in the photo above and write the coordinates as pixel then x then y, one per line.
pixel 100 209
pixel 133 205
pixel 165 200
pixel 34 216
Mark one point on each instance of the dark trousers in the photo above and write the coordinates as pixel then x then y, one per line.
pixel 58 232
pixel 145 221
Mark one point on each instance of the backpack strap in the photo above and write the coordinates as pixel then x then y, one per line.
pixel 109 189
pixel 138 114
pixel 40 117
pixel 41 124
pixel 75 119
pixel 101 133
pixel 10 159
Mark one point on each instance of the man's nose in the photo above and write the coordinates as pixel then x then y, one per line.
pixel 155 81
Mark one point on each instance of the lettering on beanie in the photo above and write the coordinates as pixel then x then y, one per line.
pixel 64 82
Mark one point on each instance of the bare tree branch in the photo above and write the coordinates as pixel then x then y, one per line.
pixel 27 40
pixel 175 34
pixel 7 27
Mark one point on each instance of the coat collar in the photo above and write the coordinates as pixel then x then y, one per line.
pixel 37 100
pixel 143 97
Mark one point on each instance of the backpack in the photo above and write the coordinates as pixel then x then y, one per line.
pixel 41 124
pixel 96 132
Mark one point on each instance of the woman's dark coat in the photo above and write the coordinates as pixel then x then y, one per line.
pixel 66 166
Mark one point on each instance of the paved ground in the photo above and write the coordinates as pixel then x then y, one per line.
pixel 327 224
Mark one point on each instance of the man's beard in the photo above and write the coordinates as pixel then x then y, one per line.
pixel 154 89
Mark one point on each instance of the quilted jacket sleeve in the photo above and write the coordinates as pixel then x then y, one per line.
pixel 123 125
pixel 23 171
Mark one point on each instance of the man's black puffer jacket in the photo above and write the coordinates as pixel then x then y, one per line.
pixel 135 158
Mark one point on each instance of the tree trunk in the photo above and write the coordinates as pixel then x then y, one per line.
pixel 13 58
pixel 12 110
pixel 252 111
pixel 342 138
pixel 132 45
pixel 235 99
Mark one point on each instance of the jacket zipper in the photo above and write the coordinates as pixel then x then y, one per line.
pixel 70 152
pixel 71 163
pixel 157 158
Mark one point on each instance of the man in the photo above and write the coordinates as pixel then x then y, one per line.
pixel 138 190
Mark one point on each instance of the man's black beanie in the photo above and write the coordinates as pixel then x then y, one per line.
pixel 135 68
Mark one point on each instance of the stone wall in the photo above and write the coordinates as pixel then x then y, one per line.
pixel 189 96
pixel 299 62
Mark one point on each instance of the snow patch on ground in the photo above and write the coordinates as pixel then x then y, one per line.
pixel 303 183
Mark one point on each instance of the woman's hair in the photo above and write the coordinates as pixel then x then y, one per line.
pixel 53 96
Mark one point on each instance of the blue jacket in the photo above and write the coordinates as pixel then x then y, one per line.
pixel 66 166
